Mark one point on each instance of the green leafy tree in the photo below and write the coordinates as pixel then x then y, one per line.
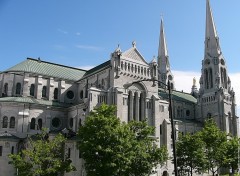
pixel 147 154
pixel 43 157
pixel 190 153
pixel 110 147
pixel 215 142
pixel 231 158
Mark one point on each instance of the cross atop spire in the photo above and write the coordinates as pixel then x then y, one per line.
pixel 211 38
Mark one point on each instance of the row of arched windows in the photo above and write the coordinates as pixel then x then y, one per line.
pixel 5 122
pixel 32 90
pixel 135 69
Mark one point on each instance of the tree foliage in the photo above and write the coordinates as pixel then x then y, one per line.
pixel 43 157
pixel 209 149
pixel 190 153
pixel 215 146
pixel 110 147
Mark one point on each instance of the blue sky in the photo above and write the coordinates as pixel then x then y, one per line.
pixel 83 33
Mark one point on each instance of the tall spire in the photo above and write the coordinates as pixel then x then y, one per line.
pixel 162 50
pixel 211 38
pixel 163 59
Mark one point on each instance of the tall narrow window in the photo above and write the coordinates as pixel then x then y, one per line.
pixel 225 78
pixel 32 90
pixel 80 122
pixel 55 96
pixel 160 129
pixel 32 124
pixel 12 150
pixel 12 122
pixel 18 89
pixel 206 79
pixel 69 152
pixel 210 78
pixel 1 150
pixel 39 124
pixel 5 91
pixel 71 122
pixel 5 122
pixel 44 91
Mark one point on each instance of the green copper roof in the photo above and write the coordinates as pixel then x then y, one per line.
pixel 7 135
pixel 33 101
pixel 48 69
pixel 178 96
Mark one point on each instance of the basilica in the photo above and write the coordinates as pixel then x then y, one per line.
pixel 36 93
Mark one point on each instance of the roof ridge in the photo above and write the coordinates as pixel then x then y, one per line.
pixel 55 64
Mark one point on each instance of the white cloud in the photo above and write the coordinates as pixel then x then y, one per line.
pixel 62 31
pixel 184 80
pixel 89 47
pixel 78 33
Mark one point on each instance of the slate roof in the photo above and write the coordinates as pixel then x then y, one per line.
pixel 44 68
pixel 31 100
pixel 178 96
pixel 134 54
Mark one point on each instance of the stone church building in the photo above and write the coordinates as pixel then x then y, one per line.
pixel 36 94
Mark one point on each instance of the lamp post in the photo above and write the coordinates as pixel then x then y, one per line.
pixel 168 86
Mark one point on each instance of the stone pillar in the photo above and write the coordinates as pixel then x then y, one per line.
pixel 130 106
pixel 136 98
pixel 38 87
pixel 50 92
pixel 26 89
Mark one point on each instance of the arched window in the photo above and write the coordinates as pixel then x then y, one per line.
pixel 206 79
pixel 32 90
pixel 44 91
pixel 18 89
pixel 210 78
pixel 209 115
pixel 39 124
pixel 55 96
pixel 80 122
pixel 32 124
pixel 12 122
pixel 5 91
pixel 71 122
pixel 178 112
pixel 5 122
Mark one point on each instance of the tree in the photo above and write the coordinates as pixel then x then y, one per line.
pixel 215 146
pixel 147 154
pixel 43 157
pixel 110 147
pixel 190 153
pixel 232 147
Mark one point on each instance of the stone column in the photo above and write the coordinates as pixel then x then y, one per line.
pixel 136 98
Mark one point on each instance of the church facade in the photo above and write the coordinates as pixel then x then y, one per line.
pixel 36 94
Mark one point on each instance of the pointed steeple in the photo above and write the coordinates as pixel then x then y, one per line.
pixel 163 61
pixel 162 50
pixel 211 38
pixel 164 71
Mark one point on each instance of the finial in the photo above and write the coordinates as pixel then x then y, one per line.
pixel 134 44
pixel 118 48
pixel 194 81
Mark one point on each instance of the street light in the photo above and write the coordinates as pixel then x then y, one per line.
pixel 168 86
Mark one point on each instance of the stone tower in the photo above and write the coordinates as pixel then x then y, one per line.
pixel 216 96
pixel 164 71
